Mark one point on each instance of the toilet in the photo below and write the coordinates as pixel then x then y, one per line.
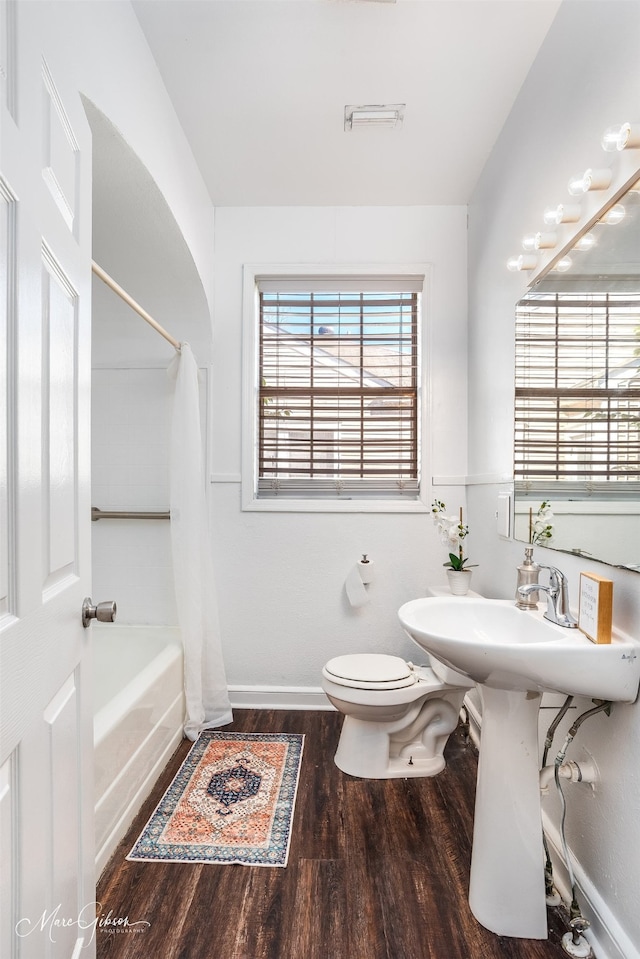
pixel 397 716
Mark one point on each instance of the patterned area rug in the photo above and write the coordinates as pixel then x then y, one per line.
pixel 231 801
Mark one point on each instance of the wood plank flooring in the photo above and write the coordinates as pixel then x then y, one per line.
pixel 377 870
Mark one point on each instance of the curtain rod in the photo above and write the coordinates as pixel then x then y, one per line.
pixel 111 283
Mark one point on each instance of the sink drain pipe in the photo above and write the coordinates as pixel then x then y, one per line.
pixel 551 893
pixel 574 943
pixel 584 772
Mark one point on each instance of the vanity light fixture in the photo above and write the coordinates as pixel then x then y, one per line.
pixel 590 180
pixel 522 262
pixel 625 137
pixel 563 213
pixel 615 138
pixel 614 216
pixel 386 116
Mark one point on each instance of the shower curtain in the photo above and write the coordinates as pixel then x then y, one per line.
pixel 205 681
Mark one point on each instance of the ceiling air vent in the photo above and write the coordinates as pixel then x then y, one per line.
pixel 384 116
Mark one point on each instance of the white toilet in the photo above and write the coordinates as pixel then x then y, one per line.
pixel 397 716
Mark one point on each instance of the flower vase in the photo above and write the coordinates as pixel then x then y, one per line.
pixel 459 581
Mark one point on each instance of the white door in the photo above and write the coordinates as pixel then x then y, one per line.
pixel 46 825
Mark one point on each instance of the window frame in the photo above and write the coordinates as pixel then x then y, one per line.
pixel 252 273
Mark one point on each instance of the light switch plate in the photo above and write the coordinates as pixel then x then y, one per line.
pixel 503 515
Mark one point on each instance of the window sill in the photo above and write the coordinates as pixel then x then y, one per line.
pixel 289 505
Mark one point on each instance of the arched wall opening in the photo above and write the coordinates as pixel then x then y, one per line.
pixel 137 241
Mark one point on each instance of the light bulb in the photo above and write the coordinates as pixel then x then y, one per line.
pixel 576 185
pixel 545 241
pixel 563 213
pixel 614 216
pixel 624 137
pixel 590 180
pixel 563 265
pixel 586 242
pixel 522 262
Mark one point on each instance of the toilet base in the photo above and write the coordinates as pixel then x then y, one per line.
pixel 371 750
pixel 374 765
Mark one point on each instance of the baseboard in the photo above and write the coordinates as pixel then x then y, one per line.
pixel 607 938
pixel 311 697
pixel 278 697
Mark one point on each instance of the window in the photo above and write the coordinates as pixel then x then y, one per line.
pixel 577 391
pixel 337 400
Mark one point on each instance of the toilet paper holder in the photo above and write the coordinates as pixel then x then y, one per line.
pixel 358 579
pixel 366 569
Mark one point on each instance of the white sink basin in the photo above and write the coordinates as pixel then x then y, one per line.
pixel 498 645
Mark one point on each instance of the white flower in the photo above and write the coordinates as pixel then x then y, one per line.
pixel 451 531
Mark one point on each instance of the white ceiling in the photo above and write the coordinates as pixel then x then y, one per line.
pixel 260 88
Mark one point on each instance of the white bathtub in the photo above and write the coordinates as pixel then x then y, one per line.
pixel 139 712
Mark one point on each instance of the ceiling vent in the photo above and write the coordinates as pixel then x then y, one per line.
pixel 384 116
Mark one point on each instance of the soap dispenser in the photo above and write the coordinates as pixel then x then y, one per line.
pixel 528 573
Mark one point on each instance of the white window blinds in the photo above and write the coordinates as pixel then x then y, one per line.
pixel 338 394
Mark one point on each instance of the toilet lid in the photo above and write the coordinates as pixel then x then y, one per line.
pixel 370 671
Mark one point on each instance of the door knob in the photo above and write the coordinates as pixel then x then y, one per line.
pixel 103 612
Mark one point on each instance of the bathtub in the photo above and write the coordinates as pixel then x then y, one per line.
pixel 139 712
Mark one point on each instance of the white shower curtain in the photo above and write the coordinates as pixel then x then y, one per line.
pixel 205 681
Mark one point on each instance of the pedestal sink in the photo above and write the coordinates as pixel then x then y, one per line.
pixel 514 655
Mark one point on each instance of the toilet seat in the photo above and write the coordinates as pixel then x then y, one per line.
pixel 370 671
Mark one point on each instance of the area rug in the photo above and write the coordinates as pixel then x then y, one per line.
pixel 231 801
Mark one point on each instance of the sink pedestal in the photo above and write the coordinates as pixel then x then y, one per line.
pixel 506 651
pixel 506 891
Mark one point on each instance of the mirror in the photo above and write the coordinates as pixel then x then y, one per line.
pixel 577 405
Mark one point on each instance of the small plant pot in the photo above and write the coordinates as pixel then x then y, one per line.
pixel 459 581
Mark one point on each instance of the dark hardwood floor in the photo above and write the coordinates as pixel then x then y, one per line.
pixel 378 869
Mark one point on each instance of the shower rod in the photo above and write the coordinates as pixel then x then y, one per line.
pixel 129 300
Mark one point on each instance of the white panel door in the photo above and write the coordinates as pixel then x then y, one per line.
pixel 46 824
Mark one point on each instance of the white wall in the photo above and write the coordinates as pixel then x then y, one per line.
pixel 281 575
pixel 116 71
pixel 586 78
pixel 131 420
pixel 131 417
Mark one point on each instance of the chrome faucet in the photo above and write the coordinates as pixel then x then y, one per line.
pixel 557 591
